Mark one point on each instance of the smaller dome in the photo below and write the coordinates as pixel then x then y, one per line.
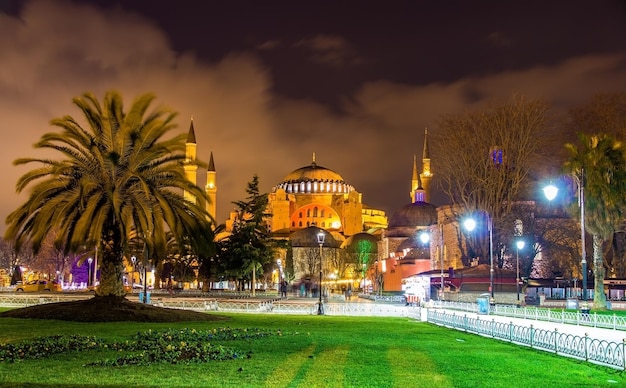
pixel 307 238
pixel 352 242
pixel 414 214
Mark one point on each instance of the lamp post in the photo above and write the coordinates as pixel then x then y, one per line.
pixel 443 292
pixel 470 224
pixel 550 192
pixel 89 261
pixel 520 245
pixel 132 279
pixel 320 240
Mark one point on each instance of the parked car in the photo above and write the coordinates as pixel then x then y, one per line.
pixel 94 289
pixel 40 285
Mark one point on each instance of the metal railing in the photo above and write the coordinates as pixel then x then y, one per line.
pixel 601 352
pixel 25 300
pixel 591 319
pixel 384 298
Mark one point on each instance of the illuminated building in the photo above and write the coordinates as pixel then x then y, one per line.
pixel 402 251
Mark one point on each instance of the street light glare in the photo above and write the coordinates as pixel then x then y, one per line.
pixel 550 191
pixel 520 244
pixel 469 224
pixel 424 237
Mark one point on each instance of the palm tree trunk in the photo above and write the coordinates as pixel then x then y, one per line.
pixel 599 299
pixel 112 266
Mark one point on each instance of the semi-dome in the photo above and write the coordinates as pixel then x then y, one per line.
pixel 314 179
pixel 414 214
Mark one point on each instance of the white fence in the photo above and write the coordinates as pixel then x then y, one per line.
pixel 601 352
pixel 542 314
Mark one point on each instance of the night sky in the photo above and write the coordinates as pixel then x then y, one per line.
pixel 270 82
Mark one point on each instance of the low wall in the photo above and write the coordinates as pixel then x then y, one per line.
pixel 471 297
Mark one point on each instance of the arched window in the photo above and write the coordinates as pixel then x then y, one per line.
pixel 293 224
pixel 496 155
pixel 300 224
pixel 300 215
pixel 315 212
pixel 323 224
pixel 322 213
pixel 308 213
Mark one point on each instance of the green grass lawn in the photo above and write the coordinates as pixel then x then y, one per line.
pixel 306 351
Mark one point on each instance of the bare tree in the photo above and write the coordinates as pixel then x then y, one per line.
pixel 308 261
pixel 487 159
pixel 11 258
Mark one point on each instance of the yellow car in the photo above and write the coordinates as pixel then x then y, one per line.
pixel 40 285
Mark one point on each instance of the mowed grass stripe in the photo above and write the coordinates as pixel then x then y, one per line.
pixel 410 367
pixel 368 370
pixel 326 368
pixel 286 372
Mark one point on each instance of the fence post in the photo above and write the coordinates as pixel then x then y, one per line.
pixel 556 341
pixel 586 347
pixel 532 336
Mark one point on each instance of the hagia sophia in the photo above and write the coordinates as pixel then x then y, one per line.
pixel 314 199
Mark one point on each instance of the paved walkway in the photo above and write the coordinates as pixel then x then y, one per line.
pixel 610 335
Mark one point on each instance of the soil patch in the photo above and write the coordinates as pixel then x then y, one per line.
pixel 108 309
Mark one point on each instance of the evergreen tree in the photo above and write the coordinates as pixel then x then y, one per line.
pixel 248 248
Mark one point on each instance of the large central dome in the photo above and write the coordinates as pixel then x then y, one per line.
pixel 313 172
pixel 314 179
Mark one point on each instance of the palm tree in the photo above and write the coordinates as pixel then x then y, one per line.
pixel 600 165
pixel 118 179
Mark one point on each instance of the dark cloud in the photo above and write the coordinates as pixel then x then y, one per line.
pixel 330 50
pixel 264 108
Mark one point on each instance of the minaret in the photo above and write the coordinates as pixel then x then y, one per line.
pixel 426 176
pixel 211 187
pixel 417 191
pixel 191 169
pixel 414 180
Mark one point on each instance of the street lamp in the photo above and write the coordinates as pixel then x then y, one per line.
pixel 470 224
pixel 320 240
pixel 132 281
pixel 550 192
pixel 89 260
pixel 520 245
pixel 425 238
